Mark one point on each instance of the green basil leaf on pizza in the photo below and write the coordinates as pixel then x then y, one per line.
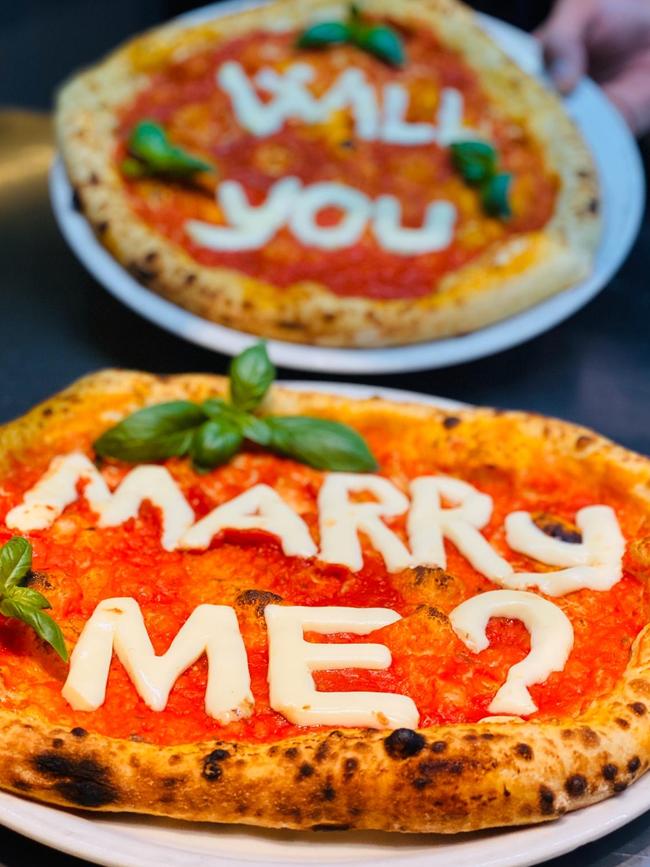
pixel 153 153
pixel 321 443
pixel 24 603
pixel 152 434
pixel 251 375
pixel 15 562
pixel 214 443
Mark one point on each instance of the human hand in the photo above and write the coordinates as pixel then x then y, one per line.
pixel 609 40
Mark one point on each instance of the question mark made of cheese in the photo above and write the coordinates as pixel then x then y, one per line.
pixel 551 641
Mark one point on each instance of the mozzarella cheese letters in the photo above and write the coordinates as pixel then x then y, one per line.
pixel 118 624
pixel 595 563
pixel 259 508
pixel 58 488
pixel 288 202
pixel 341 520
pixel 290 98
pixel 292 660
pixel 551 641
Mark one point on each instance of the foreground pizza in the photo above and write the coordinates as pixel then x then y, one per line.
pixel 401 184
pixel 427 709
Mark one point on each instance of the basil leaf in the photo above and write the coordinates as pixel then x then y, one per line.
pixel 495 195
pixel 153 433
pixel 28 596
pixel 149 143
pixel 15 561
pixel 324 33
pixel 320 443
pixel 475 160
pixel 214 407
pixel 384 42
pixel 41 623
pixel 215 442
pixel 251 374
pixel 256 430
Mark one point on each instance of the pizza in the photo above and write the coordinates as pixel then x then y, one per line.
pixel 452 637
pixel 367 176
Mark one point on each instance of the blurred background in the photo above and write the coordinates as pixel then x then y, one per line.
pixel 43 41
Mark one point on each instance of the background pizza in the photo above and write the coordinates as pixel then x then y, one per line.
pixel 359 216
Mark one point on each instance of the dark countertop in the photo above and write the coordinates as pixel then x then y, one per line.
pixel 58 324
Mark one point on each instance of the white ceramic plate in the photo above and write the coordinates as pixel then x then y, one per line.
pixel 622 183
pixel 134 841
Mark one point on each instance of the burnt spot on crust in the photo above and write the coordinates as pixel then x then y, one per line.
pixel 619 787
pixel 76 202
pixel 593 207
pixel 83 782
pixel 322 752
pixel 524 751
pixel 546 801
pixel 634 764
pixel 557 528
pixel 589 737
pixel 212 769
pixel 610 771
pixel 78 732
pixel 350 766
pixel 450 421
pixel 174 760
pixel 258 598
pixel 584 441
pixel 438 746
pixel 576 785
pixel 621 722
pixel 328 793
pixel 57 743
pixel 330 827
pixel 305 770
pixel 142 274
pixel 404 743
pixel 291 753
pixel 638 708
pixel 429 769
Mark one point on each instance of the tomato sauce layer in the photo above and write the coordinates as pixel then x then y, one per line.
pixel 185 97
pixel 77 565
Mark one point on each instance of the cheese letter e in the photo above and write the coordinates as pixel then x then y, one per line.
pixel 292 660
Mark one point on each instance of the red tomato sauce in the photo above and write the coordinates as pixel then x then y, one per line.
pixel 82 565
pixel 197 114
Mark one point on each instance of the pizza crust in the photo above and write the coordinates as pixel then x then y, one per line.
pixel 441 779
pixel 504 280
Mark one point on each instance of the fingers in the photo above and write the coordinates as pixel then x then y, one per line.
pixel 563 41
pixel 630 93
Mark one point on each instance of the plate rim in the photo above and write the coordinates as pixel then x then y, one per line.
pixel 63 829
pixel 492 339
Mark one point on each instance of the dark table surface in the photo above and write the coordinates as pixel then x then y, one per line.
pixel 57 323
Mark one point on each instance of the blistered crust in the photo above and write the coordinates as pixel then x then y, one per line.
pixel 509 277
pixel 440 779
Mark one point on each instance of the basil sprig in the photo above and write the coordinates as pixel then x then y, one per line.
pixel 23 603
pixel 477 163
pixel 378 39
pixel 214 431
pixel 151 153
